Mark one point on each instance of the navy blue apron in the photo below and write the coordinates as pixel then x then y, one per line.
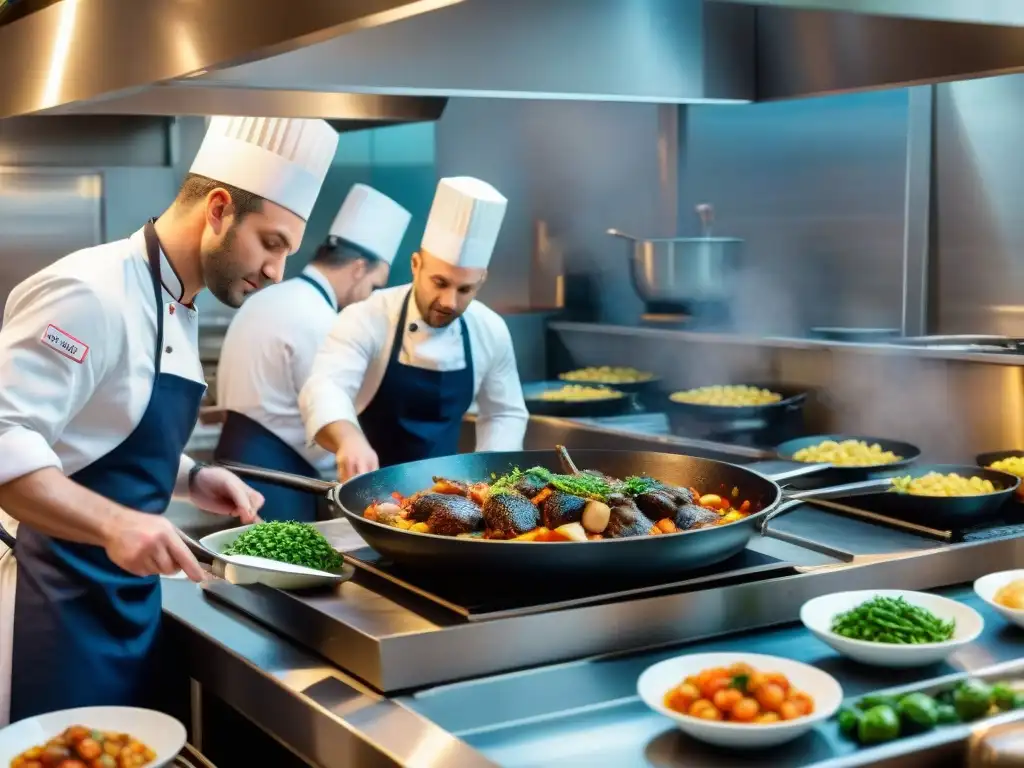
pixel 246 441
pixel 417 413
pixel 86 631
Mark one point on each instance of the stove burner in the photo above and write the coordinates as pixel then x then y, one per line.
pixel 476 601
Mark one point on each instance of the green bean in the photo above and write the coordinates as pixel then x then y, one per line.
pixel 889 620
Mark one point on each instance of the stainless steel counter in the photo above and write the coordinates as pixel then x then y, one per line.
pixel 587 713
pixel 580 710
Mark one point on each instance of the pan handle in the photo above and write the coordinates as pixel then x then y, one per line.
pixel 798 471
pixel 863 488
pixel 202 554
pixel 794 500
pixel 779 511
pixel 285 479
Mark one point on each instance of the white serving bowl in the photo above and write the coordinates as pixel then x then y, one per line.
pixel 817 615
pixel 656 681
pixel 987 586
pixel 245 569
pixel 161 733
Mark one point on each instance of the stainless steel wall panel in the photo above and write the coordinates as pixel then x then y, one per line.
pixel 817 189
pixel 45 214
pixel 979 221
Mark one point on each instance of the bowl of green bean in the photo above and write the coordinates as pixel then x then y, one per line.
pixel 892 627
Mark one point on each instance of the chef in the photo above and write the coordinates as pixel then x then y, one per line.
pixel 100 385
pixel 264 363
pixel 398 371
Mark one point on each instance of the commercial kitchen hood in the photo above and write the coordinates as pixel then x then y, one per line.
pixel 367 62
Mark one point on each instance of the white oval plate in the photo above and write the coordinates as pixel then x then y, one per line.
pixel 161 733
pixel 817 615
pixel 244 569
pixel 987 586
pixel 656 681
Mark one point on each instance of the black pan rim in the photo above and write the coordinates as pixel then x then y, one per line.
pixel 654 379
pixel 984 459
pixel 749 519
pixel 908 456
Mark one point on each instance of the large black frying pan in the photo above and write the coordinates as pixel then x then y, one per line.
pixel 643 556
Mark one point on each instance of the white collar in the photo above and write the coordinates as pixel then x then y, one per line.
pixel 169 279
pixel 320 279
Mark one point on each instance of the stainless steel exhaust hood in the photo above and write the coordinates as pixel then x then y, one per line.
pixel 134 57
pixel 369 62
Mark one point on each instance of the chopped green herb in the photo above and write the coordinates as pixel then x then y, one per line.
pixel 287 542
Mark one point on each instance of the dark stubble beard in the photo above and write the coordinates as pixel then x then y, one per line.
pixel 221 275
pixel 434 318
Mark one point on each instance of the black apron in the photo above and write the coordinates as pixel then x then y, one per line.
pixel 246 441
pixel 85 631
pixel 417 413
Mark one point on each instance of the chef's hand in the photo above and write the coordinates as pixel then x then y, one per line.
pixel 216 490
pixel 355 456
pixel 148 545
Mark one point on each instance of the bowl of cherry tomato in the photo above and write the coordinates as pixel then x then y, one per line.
pixel 740 700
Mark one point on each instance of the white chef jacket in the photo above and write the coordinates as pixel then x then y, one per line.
pixel 350 365
pixel 68 410
pixel 267 356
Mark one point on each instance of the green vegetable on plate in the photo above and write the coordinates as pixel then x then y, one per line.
pixel 946 715
pixel 849 721
pixel 287 542
pixel 877 700
pixel 972 699
pixel 892 620
pixel 919 711
pixel 1003 696
pixel 878 724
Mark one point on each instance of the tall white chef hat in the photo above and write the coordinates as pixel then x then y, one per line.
pixel 464 222
pixel 372 222
pixel 281 159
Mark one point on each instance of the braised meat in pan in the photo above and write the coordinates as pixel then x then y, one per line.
pixel 541 506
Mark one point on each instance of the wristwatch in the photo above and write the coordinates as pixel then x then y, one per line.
pixel 197 467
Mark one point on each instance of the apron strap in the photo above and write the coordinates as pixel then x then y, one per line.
pixel 319 289
pixel 396 343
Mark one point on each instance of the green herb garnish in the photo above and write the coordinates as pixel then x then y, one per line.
pixel 638 484
pixel 287 542
pixel 584 485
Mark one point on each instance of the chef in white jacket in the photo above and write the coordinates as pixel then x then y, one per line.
pixel 398 371
pixel 100 386
pixel 269 348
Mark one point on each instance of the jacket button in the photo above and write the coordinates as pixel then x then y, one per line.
pixel 168 350
pixel 414 327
